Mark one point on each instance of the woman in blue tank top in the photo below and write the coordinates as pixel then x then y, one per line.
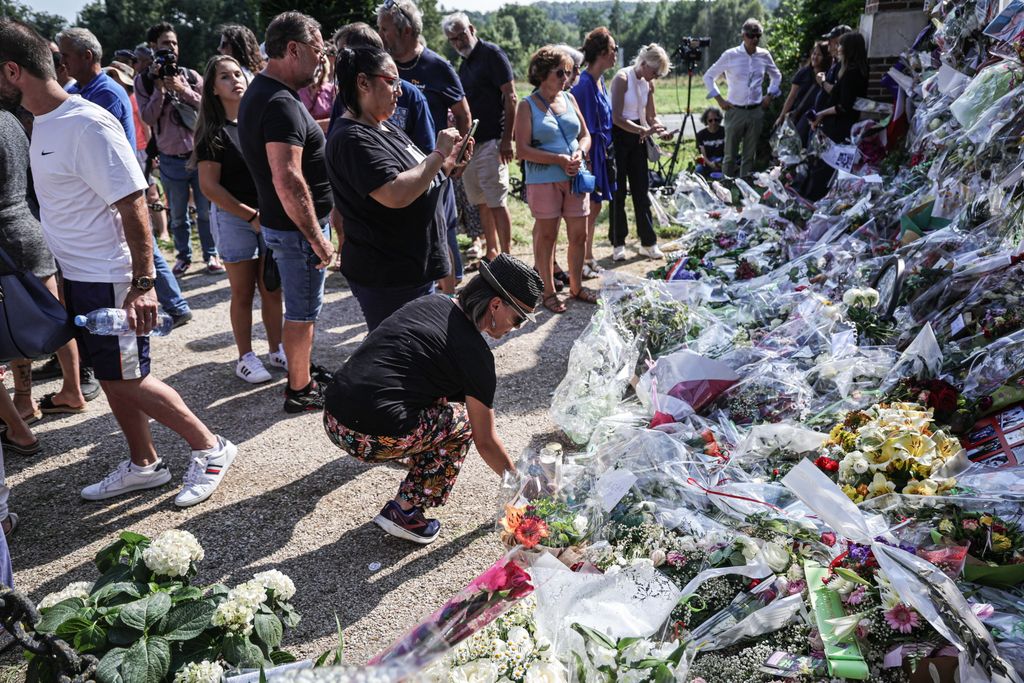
pixel 552 138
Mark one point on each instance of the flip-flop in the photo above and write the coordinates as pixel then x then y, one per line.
pixel 11 447
pixel 47 406
pixel 33 418
pixel 13 517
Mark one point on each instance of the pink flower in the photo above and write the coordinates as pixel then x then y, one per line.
pixel 902 618
pixel 796 587
pixel 863 629
pixel 829 538
pixel 970 524
pixel 982 610
pixel 675 559
pixel 856 596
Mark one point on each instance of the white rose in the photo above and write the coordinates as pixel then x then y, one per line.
pixel 580 524
pixel 479 671
pixel 748 548
pixel 545 672
pixel 658 557
pixel 796 572
pixel 776 556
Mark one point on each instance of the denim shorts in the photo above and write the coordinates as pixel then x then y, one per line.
pixel 236 240
pixel 302 283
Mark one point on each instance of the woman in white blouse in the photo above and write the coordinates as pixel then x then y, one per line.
pixel 634 120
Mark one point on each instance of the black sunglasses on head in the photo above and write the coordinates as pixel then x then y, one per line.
pixel 388 4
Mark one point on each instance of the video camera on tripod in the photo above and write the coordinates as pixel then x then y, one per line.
pixel 691 51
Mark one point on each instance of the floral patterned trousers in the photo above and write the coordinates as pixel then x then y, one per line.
pixel 436 449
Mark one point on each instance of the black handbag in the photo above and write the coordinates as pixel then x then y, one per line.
pixel 33 323
pixel 271 275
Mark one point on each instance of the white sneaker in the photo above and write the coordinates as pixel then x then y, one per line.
pixel 651 252
pixel 205 473
pixel 250 368
pixel 619 253
pixel 125 479
pixel 277 358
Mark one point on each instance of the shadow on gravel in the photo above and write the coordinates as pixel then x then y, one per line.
pixel 347 585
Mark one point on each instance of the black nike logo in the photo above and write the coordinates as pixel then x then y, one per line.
pixel 45 153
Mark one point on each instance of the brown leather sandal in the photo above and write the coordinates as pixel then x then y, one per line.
pixel 554 304
pixel 586 295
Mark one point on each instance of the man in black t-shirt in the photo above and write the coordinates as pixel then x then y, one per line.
pixel 486 76
pixel 400 24
pixel 284 148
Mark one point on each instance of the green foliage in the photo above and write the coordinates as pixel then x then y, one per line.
pixel 46 23
pixel 796 24
pixel 122 23
pixel 144 630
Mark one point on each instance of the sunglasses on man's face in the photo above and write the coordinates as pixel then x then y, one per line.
pixel 753 36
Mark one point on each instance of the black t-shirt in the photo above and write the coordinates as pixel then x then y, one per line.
pixel 427 350
pixel 384 247
pixel 234 174
pixel 437 80
pixel 804 79
pixel 272 112
pixel 483 73
pixel 713 143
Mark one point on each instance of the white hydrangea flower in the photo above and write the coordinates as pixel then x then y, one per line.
pixel 78 589
pixel 283 587
pixel 199 672
pixel 633 675
pixel 234 615
pixel 251 593
pixel 172 553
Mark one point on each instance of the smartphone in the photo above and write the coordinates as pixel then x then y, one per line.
pixel 465 141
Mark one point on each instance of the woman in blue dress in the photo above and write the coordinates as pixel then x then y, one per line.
pixel 600 53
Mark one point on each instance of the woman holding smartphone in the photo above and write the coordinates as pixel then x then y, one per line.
pixel 387 191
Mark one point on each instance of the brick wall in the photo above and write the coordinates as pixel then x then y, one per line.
pixel 875 6
pixel 878 67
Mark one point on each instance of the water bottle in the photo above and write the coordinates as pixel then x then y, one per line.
pixel 114 322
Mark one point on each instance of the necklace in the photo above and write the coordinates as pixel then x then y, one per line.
pixel 414 62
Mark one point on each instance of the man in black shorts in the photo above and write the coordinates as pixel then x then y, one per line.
pixel 83 165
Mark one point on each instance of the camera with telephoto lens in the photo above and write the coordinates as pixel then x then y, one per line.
pixel 691 51
pixel 166 63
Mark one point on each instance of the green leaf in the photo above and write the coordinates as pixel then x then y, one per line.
pixel 282 657
pixel 851 575
pixel 187 593
pixel 217 590
pixel 56 615
pixel 121 635
pixel 132 538
pixel 591 634
pixel 187 620
pixel 110 665
pixel 147 661
pixel 117 574
pixel 626 642
pixel 269 629
pixel 93 637
pixel 241 652
pixel 289 616
pixel 142 614
pixel 117 592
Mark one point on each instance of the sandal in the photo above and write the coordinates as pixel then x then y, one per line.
pixel 47 405
pixel 561 276
pixel 553 304
pixel 10 446
pixel 33 417
pixel 586 294
pixel 11 522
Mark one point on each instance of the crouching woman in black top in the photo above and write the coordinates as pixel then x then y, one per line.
pixel 422 385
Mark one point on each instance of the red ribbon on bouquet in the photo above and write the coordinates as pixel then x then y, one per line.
pixel 712 492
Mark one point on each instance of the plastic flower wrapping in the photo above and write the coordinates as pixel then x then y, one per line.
pixel 795 450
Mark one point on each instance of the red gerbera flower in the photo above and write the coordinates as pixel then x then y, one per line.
pixel 531 531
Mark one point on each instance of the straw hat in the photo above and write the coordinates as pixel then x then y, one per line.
pixel 122 73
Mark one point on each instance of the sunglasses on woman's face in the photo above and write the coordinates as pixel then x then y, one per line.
pixel 562 73
pixel 714 120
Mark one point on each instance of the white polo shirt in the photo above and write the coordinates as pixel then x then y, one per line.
pixel 81 164
pixel 744 74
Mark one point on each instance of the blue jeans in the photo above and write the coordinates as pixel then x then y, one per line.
pixel 168 293
pixel 177 180
pixel 302 283
pixel 451 217
pixel 378 303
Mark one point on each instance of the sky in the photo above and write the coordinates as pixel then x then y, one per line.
pixel 69 8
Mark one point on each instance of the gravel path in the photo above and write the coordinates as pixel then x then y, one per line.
pixel 291 501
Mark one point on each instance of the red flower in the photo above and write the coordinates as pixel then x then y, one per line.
pixel 661 418
pixel 826 464
pixel 508 577
pixel 828 538
pixel 531 531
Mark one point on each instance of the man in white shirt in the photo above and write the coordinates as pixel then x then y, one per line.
pixel 744 67
pixel 95 221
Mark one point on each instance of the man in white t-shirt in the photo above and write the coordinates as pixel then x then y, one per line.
pixel 95 221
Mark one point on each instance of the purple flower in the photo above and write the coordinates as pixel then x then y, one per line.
pixel 859 553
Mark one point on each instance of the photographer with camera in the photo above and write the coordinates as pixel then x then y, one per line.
pixel 744 67
pixel 168 96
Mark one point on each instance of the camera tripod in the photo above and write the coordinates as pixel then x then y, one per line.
pixel 667 167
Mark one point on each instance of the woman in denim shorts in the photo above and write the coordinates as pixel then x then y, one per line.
pixel 552 138
pixel 234 218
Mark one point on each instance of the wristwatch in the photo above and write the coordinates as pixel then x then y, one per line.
pixel 143 283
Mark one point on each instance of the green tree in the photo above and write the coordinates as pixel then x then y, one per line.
pixel 616 18
pixel 796 24
pixel 48 25
pixel 589 18
pixel 535 29
pixel 332 14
